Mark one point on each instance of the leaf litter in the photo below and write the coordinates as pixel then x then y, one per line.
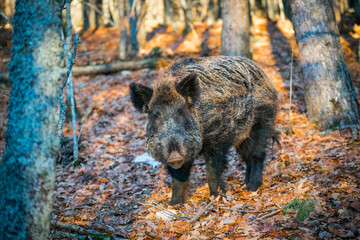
pixel 110 192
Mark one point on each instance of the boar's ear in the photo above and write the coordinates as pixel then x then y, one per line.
pixel 140 96
pixel 189 87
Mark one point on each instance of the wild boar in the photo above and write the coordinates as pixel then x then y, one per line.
pixel 205 106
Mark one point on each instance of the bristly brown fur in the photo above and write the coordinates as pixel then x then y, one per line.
pixel 237 106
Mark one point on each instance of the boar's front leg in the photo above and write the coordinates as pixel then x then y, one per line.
pixel 215 160
pixel 180 179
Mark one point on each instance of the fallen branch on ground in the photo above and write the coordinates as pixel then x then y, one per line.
pixel 267 216
pixel 244 211
pixel 153 235
pixel 199 214
pixel 74 228
pixel 166 211
pixel 106 68
pixel 71 235
pixel 81 207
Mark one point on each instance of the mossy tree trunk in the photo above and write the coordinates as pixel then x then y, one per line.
pixel 330 97
pixel 236 28
pixel 27 169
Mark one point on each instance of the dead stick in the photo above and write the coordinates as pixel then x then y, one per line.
pixel 245 211
pixel 267 215
pixel 83 121
pixel 166 211
pixel 199 214
pixel 153 235
pixel 71 235
pixel 81 207
pixel 73 228
pixel 7 18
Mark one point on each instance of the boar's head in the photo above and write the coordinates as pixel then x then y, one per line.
pixel 173 129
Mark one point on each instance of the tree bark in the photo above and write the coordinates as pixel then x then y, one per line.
pixel 123 42
pixel 92 15
pixel 330 97
pixel 337 10
pixel 77 15
pixel 236 29
pixel 106 11
pixel 28 166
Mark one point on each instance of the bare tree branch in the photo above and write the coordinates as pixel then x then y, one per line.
pixel 68 72
pixel 7 18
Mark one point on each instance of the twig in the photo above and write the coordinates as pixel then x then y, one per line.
pixel 245 211
pixel 267 215
pixel 291 75
pixel 336 147
pixel 100 12
pixel 62 85
pixel 71 235
pixel 166 211
pixel 153 235
pixel 71 87
pixel 199 214
pixel 112 230
pixel 83 121
pixel 87 53
pixel 7 18
pixel 332 213
pixel 4 91
pixel 81 207
pixel 74 228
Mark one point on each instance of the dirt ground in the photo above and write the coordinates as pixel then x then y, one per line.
pixel 112 194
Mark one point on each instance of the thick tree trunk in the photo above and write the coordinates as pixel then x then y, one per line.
pixel 330 97
pixel 212 13
pixel 134 44
pixel 28 167
pixel 92 14
pixel 123 42
pixel 114 9
pixel 77 15
pixel 236 29
pixel 106 11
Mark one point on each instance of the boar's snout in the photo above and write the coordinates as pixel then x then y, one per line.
pixel 175 160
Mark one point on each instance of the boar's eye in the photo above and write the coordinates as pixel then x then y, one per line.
pixel 156 115
pixel 181 111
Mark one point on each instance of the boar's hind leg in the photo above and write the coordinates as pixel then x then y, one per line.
pixel 253 151
pixel 215 160
pixel 180 178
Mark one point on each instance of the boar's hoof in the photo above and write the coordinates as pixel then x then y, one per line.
pixel 253 187
pixel 175 201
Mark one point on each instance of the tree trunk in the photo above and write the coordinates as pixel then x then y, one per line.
pixel 235 32
pixel 92 15
pixel 357 9
pixel 114 9
pixel 330 97
pixel 106 11
pixel 123 42
pixel 77 15
pixel 28 166
pixel 337 10
pixel 212 14
pixel 134 44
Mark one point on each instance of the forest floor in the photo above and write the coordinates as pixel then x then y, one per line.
pixel 317 173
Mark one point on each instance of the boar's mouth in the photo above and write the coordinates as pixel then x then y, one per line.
pixel 175 160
